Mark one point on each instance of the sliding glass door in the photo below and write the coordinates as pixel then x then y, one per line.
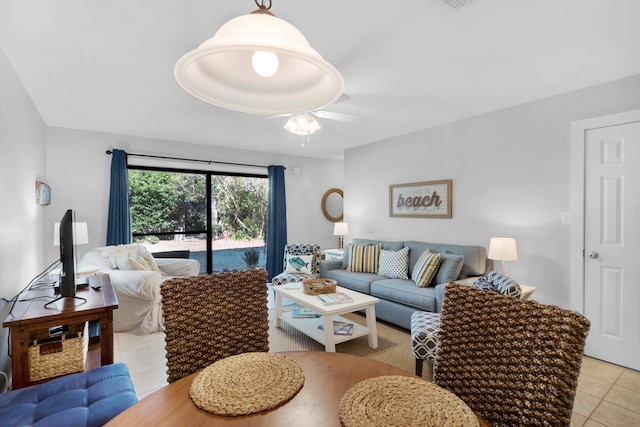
pixel 218 219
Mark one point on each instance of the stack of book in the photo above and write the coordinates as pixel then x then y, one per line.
pixel 303 313
pixel 335 298
pixel 340 328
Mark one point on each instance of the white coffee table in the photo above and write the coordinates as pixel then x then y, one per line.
pixel 329 313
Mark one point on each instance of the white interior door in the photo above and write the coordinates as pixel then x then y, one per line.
pixel 612 243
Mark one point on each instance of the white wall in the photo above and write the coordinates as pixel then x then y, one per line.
pixel 79 176
pixel 511 178
pixel 22 163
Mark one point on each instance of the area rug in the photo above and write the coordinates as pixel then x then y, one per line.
pixel 394 344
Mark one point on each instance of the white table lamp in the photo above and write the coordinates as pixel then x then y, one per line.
pixel 503 249
pixel 341 229
pixel 80 233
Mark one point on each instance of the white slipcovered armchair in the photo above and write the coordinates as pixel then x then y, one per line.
pixel 136 277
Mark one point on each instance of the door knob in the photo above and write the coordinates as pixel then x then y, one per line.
pixel 593 254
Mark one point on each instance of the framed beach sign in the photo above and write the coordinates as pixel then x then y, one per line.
pixel 430 199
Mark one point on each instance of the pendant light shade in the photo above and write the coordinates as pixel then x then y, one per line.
pixel 259 63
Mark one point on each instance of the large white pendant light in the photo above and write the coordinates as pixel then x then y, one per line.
pixel 258 63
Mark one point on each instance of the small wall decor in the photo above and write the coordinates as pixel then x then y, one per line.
pixel 43 193
pixel 332 204
pixel 430 199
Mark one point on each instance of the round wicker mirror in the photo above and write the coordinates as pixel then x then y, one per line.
pixel 332 204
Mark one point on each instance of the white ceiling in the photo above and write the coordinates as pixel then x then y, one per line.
pixel 407 64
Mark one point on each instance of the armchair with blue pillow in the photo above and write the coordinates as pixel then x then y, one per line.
pixel 301 262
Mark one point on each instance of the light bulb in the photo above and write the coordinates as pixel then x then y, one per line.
pixel 264 63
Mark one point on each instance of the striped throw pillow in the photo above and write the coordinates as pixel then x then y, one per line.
pixel 364 259
pixel 426 268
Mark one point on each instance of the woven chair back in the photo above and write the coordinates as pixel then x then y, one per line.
pixel 208 318
pixel 514 362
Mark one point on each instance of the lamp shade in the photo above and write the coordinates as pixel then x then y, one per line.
pixel 503 249
pixel 259 63
pixel 80 233
pixel 340 229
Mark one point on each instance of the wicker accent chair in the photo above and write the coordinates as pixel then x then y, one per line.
pixel 514 362
pixel 299 250
pixel 208 318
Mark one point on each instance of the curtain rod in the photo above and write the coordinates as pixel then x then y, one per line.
pixel 191 160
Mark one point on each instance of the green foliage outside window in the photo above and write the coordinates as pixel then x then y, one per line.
pixel 167 202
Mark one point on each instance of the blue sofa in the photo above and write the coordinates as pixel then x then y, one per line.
pixel 400 298
pixel 85 399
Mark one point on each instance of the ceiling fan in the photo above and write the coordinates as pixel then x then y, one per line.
pixel 306 123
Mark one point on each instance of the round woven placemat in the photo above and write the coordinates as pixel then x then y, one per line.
pixel 397 400
pixel 246 383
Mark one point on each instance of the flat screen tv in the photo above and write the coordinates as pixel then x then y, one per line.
pixel 67 259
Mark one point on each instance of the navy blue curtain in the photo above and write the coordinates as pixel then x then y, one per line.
pixel 276 222
pixel 119 220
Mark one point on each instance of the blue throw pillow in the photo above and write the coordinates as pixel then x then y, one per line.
pixel 505 285
pixel 449 270
pixel 482 283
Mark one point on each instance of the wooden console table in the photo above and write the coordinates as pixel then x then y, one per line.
pixel 30 314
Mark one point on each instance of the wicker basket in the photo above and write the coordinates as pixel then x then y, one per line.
pixel 60 355
pixel 319 286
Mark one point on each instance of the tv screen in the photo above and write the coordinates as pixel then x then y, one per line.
pixel 67 275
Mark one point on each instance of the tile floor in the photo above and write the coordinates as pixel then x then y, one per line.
pixel 607 395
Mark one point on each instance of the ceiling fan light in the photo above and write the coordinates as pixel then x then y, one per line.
pixel 221 71
pixel 302 124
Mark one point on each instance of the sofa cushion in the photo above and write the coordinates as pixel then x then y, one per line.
pixel 394 264
pixel 389 246
pixel 426 268
pixel 90 398
pixel 449 269
pixel 405 292
pixel 360 282
pixel 475 257
pixel 364 258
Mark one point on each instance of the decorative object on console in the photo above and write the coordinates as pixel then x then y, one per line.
pixel 340 229
pixel 503 249
pixel 286 75
pixel 430 199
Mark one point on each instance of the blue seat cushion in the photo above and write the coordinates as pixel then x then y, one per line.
pixel 89 398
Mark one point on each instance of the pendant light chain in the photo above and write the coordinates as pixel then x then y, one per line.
pixel 262 6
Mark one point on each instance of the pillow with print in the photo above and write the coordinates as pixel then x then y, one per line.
pixel 394 264
pixel 299 264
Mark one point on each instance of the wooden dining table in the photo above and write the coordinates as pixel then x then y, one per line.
pixel 328 376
